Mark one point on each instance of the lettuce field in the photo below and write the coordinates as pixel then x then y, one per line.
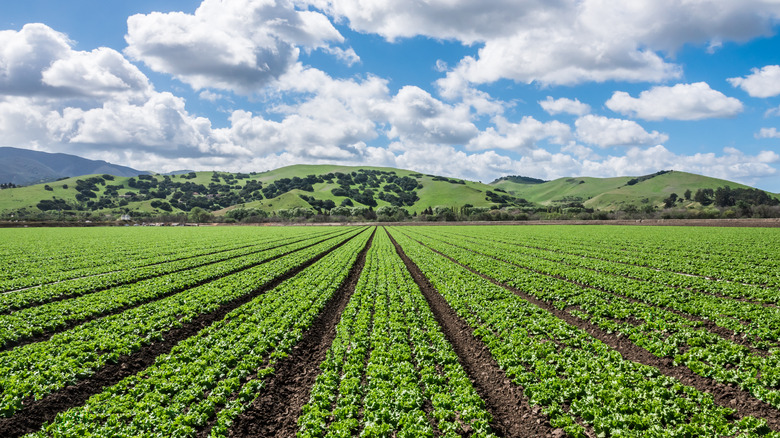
pixel 402 331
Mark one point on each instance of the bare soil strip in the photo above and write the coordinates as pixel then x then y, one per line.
pixel 275 412
pixel 512 415
pixel 726 395
pixel 36 413
pixel 45 336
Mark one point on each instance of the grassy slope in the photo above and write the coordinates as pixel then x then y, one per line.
pixel 611 193
pixel 433 193
pixel 601 193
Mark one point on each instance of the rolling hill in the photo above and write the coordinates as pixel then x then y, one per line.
pixel 614 193
pixel 323 188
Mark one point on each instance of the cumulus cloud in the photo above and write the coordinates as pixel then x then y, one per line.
pixel 418 117
pixel 564 41
pixel 238 45
pixel 760 83
pixel 695 101
pixel 564 106
pixel 39 61
pixel 605 132
pixel 523 136
pixel 732 164
pixel 768 133
pixel 347 56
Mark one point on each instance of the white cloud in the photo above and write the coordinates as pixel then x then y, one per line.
pixel 565 106
pixel 39 61
pixel 760 83
pixel 768 133
pixel 695 101
pixel 418 117
pixel 520 136
pixel 52 96
pixel 210 96
pixel 238 45
pixel 484 166
pixel 565 41
pixel 347 56
pixel 605 132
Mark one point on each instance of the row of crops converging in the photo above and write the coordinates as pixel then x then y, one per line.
pixel 415 331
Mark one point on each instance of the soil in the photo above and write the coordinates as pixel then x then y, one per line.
pixel 512 414
pixel 730 396
pixel 36 413
pixel 275 413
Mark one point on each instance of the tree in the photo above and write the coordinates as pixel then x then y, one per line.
pixel 670 201
pixel 687 194
pixel 704 196
pixel 199 215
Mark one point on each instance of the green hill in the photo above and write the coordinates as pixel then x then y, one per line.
pixel 321 188
pixel 616 193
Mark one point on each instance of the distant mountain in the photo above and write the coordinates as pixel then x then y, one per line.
pixel 25 167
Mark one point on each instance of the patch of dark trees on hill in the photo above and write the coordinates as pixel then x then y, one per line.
pixel 519 180
pixel 639 179
pixel 505 200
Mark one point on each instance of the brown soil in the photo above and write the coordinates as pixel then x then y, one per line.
pixel 71 324
pixel 512 415
pixel 36 413
pixel 725 395
pixel 275 412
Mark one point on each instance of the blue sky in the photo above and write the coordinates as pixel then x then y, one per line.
pixel 468 89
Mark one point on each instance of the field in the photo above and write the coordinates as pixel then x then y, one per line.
pixel 419 331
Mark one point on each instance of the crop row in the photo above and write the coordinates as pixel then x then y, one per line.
pixel 388 361
pixel 211 377
pixel 52 316
pixel 46 255
pixel 759 324
pixel 562 253
pixel 715 253
pixel 37 369
pixel 662 333
pixel 579 380
pixel 11 301
pixel 88 252
pixel 711 253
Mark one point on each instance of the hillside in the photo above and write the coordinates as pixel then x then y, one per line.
pixel 344 191
pixel 615 193
pixel 314 187
pixel 26 167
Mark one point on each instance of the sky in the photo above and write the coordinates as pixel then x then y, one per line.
pixel 462 88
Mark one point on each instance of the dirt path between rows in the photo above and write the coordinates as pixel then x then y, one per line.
pixel 512 415
pixel 36 413
pixel 275 413
pixel 725 395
